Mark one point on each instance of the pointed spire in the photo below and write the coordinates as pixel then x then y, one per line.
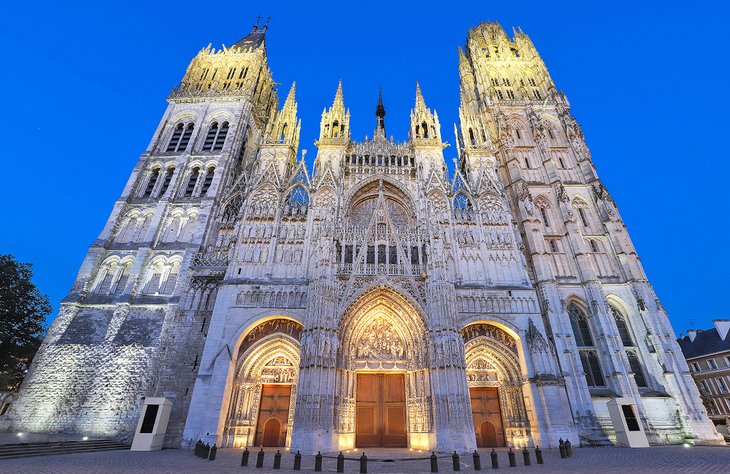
pixel 380 114
pixel 339 102
pixel 420 103
pixel 290 99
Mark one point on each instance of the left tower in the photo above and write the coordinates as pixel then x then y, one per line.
pixel 135 321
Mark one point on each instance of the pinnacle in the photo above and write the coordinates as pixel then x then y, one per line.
pixel 339 102
pixel 290 98
pixel 420 103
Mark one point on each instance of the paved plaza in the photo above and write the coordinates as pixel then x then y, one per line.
pixel 594 460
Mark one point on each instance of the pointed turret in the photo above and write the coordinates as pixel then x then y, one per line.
pixel 424 123
pixel 425 135
pixel 334 136
pixel 280 141
pixel 335 125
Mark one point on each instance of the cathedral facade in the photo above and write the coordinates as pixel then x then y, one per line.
pixel 376 299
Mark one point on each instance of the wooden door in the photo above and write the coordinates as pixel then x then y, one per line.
pixel 380 411
pixel 487 416
pixel 273 415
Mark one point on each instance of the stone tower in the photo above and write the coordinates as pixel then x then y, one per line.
pixel 376 300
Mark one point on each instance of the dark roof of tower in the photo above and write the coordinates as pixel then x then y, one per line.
pixel 254 39
pixel 706 342
pixel 380 109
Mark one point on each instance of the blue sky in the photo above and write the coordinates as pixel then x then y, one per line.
pixel 85 85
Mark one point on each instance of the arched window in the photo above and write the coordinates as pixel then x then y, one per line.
pixel 580 326
pixel 623 328
pixel 424 128
pixel 207 181
pixel 283 133
pixel 462 206
pixel 151 183
pixel 297 203
pixel 192 181
pixel 180 137
pixel 221 138
pixel 123 279
pixel 168 178
pixel 472 140
pixel 583 218
pixel 169 285
pixel 592 369
pixel 335 129
pixel 106 282
pixel 594 245
pixel 544 215
pixel 636 368
pixel 216 137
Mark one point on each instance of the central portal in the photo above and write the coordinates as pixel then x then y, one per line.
pixel 381 411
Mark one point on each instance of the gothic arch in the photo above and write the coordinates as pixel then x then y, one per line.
pixel 406 325
pixel 384 330
pixel 369 187
pixel 267 352
pixel 494 358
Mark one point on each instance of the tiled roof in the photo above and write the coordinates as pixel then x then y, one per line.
pixel 706 342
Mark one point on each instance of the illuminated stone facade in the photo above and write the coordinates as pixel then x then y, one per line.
pixel 237 282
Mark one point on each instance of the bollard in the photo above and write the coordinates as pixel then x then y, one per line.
pixel 318 462
pixel 363 464
pixel 526 456
pixel 512 460
pixel 434 462
pixel 196 451
pixel 277 460
pixel 477 461
pixel 298 461
pixel 206 451
pixel 455 461
pixel 341 462
pixel 260 458
pixel 561 446
pixel 244 457
pixel 538 455
pixel 495 460
pixel 213 452
pixel 568 448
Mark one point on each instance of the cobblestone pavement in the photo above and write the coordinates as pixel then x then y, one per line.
pixel 669 459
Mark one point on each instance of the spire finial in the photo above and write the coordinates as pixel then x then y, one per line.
pixel 420 103
pixel 266 25
pixel 290 98
pixel 339 101
pixel 380 114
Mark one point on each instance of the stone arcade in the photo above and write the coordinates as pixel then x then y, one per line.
pixel 376 301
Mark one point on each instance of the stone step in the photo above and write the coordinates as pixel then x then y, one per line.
pixel 10 451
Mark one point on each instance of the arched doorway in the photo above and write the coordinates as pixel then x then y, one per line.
pixel 271 435
pixel 495 386
pixel 263 396
pixel 382 376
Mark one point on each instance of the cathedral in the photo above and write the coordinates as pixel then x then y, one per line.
pixel 376 299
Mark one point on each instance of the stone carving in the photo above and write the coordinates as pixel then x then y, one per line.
pixel 381 342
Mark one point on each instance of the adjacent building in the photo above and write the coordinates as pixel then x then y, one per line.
pixel 708 355
pixel 375 300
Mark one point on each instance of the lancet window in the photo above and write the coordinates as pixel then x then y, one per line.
pixel 216 136
pixel 463 209
pixel 180 137
pixel 627 341
pixel 584 341
pixel 297 203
